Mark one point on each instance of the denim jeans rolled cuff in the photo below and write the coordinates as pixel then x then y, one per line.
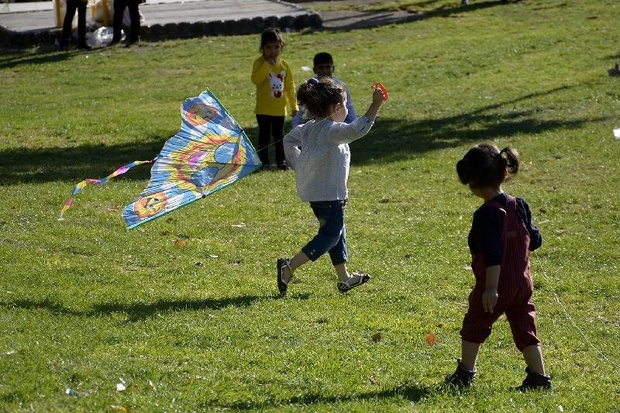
pixel 332 235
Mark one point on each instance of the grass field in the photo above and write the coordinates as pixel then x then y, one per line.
pixel 87 306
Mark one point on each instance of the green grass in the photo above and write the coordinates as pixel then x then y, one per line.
pixel 86 304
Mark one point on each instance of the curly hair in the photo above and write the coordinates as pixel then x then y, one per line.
pixel 319 95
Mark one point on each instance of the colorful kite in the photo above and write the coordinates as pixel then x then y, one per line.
pixel 209 152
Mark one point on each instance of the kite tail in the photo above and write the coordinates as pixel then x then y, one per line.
pixel 78 188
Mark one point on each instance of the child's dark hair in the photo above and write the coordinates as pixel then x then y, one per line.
pixel 323 58
pixel 319 95
pixel 485 165
pixel 270 35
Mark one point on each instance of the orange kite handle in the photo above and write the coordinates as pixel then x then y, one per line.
pixel 378 85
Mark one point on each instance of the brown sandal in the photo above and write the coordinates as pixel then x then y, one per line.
pixel 353 281
pixel 283 263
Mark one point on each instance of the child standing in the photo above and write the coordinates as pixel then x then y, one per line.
pixel 324 67
pixel 500 240
pixel 275 89
pixel 319 153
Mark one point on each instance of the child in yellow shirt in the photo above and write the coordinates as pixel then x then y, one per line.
pixel 275 90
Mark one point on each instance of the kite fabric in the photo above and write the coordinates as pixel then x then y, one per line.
pixel 209 152
pixel 78 188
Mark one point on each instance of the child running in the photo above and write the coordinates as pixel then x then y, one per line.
pixel 319 153
pixel 275 89
pixel 500 240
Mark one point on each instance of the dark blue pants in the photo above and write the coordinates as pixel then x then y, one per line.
pixel 332 236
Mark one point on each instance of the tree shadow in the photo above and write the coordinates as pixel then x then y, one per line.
pixel 40 165
pixel 393 139
pixel 46 304
pixel 390 140
pixel 410 393
pixel 143 311
pixel 136 311
pixel 35 165
pixel 42 55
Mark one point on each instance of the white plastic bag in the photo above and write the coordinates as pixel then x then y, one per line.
pixel 100 37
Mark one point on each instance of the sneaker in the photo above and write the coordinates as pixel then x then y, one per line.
pixel 462 376
pixel 354 280
pixel 535 381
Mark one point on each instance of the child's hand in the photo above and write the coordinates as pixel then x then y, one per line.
pixel 489 299
pixel 379 86
pixel 378 97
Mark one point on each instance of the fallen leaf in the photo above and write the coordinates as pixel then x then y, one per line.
pixel 181 243
pixel 430 339
pixel 373 381
pixel 120 408
pixel 377 337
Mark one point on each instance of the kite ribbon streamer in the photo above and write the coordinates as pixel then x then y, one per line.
pixel 78 188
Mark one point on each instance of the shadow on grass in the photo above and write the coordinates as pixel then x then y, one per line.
pixel 47 305
pixel 390 140
pixel 136 311
pixel 34 165
pixel 410 393
pixel 38 165
pixel 142 311
pixel 42 56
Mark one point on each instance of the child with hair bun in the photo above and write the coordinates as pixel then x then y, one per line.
pixel 319 153
pixel 500 240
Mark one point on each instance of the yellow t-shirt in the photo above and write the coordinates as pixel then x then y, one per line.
pixel 275 87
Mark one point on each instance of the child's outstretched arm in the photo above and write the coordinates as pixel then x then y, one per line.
pixel 377 101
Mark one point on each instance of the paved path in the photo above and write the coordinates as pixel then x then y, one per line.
pixel 39 16
pixel 36 23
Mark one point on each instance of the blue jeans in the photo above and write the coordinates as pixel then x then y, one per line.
pixel 332 236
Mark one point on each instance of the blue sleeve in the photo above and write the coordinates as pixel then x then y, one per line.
pixel 351 116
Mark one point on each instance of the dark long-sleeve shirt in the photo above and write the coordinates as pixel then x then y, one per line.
pixel 486 229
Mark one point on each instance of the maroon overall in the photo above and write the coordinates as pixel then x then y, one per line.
pixel 514 289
